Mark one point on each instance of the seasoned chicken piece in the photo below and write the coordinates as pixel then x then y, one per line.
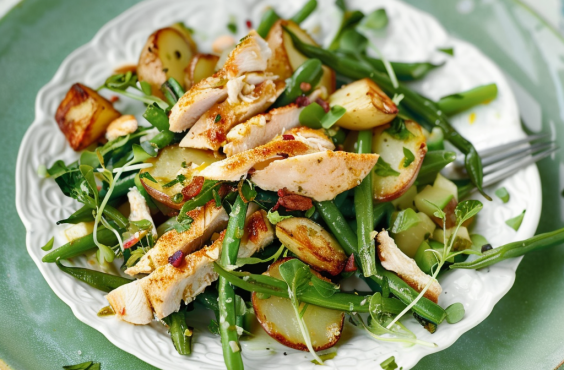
pixel 250 55
pixel 237 166
pixel 131 304
pixel 321 175
pixel 261 128
pixel 393 259
pixel 121 126
pixel 279 63
pixel 196 101
pixel 206 221
pixel 211 129
pixel 310 136
pixel 139 208
pixel 167 286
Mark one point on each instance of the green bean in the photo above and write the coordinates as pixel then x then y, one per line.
pixel 99 280
pixel 177 327
pixel 172 90
pixel 267 21
pixel 205 195
pixel 513 250
pixel 380 211
pixel 363 204
pixel 82 245
pixel 272 286
pixel 157 117
pixel 433 163
pixel 459 102
pixel 309 72
pixel 404 71
pixel 121 187
pixel 230 248
pixel 346 238
pixel 422 107
pixel 162 139
pixel 83 214
pixel 209 299
pixel 304 12
pixel 115 215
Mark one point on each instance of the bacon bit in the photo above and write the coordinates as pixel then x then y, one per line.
pixel 225 189
pixel 194 188
pixel 122 313
pixel 288 137
pixel 283 155
pixel 249 24
pixel 339 147
pixel 114 98
pixel 252 170
pixel 292 202
pixel 303 101
pixel 323 104
pixel 305 86
pixel 130 242
pixel 176 259
pixel 350 266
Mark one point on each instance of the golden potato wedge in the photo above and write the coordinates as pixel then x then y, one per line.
pixel 172 161
pixel 201 66
pixel 84 115
pixel 391 150
pixel 366 104
pixel 187 34
pixel 312 244
pixel 286 58
pixel 276 316
pixel 165 54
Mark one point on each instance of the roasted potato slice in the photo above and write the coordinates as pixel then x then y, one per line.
pixel 391 150
pixel 84 115
pixel 276 316
pixel 312 244
pixel 201 66
pixel 286 58
pixel 165 54
pixel 366 104
pixel 187 34
pixel 172 161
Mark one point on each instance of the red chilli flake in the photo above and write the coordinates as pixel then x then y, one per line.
pixel 249 24
pixel 303 101
pixel 114 98
pixel 130 242
pixel 288 137
pixel 323 104
pixel 176 258
pixel 194 188
pixel 350 266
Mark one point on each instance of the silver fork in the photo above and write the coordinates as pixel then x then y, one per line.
pixel 503 161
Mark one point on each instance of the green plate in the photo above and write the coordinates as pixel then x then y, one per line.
pixel 525 329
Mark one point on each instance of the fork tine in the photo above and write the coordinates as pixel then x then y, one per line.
pixel 498 166
pixel 491 151
pixel 515 167
pixel 516 152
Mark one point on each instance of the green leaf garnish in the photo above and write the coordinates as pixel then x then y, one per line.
pixel 325 357
pixel 145 87
pixel 405 220
pixel 147 175
pixel 275 217
pixel 184 225
pixel 398 130
pixel 502 194
pixel 331 117
pixel 310 212
pixel 352 41
pixel 383 169
pixel 157 117
pixel 142 224
pixel 217 118
pixel 389 364
pixel 467 209
pixel 49 245
pixel 232 27
pixel 324 288
pixel 455 313
pixel 377 20
pixel 311 116
pixel 449 51
pixel 88 365
pixel 409 157
pixel 516 221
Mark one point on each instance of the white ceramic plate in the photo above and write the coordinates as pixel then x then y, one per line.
pixel 411 36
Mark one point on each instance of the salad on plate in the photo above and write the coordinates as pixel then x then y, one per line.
pixel 265 178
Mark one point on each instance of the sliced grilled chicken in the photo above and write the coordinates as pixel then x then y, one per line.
pixel 167 286
pixel 261 128
pixel 250 55
pixel 131 304
pixel 310 136
pixel 139 208
pixel 206 221
pixel 238 165
pixel 393 259
pixel 321 175
pixel 211 130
